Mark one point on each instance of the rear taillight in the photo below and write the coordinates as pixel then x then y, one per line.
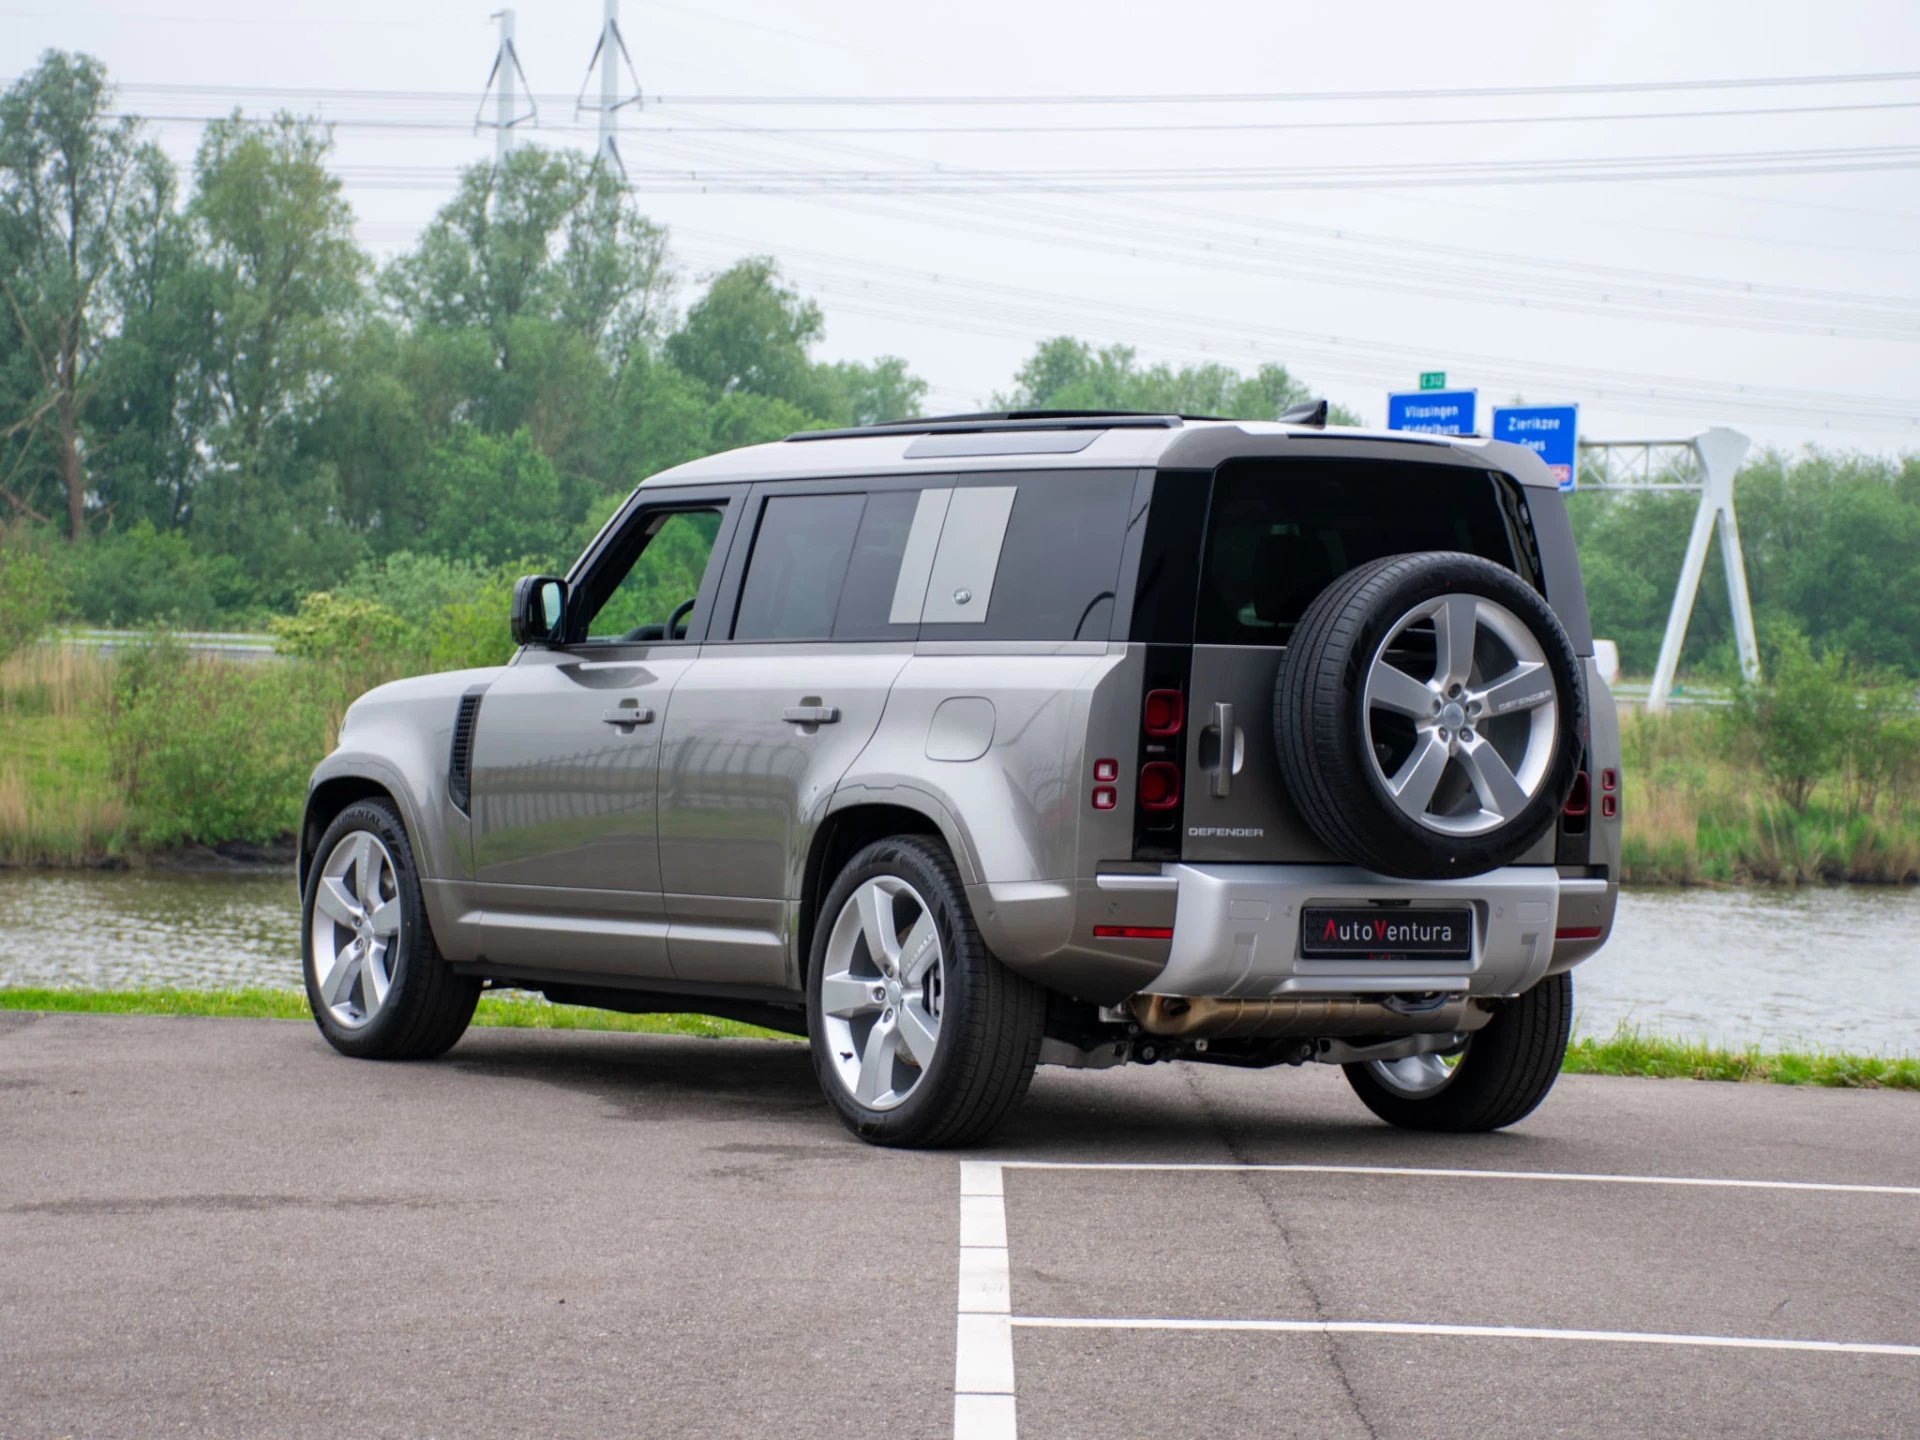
pixel 1159 785
pixel 1164 713
pixel 1580 797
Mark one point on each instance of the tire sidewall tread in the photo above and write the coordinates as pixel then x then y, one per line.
pixel 428 1007
pixel 991 1020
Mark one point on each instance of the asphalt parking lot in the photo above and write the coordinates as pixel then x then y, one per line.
pixel 219 1227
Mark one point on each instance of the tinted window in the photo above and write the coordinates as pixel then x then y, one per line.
pixel 798 566
pixel 636 603
pixel 1059 560
pixel 1280 532
pixel 866 599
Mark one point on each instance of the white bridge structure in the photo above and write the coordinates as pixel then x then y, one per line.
pixel 1705 463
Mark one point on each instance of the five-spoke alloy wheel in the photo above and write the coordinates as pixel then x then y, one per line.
pixel 355 928
pixel 378 986
pixel 881 991
pixel 920 1036
pixel 1429 715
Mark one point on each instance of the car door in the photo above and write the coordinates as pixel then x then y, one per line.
pixel 566 750
pixel 787 691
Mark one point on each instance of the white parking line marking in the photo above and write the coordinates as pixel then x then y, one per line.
pixel 1557 1176
pixel 983 1390
pixel 983 1405
pixel 1486 1332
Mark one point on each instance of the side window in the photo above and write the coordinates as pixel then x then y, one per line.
pixel 657 588
pixel 868 598
pixel 798 566
pixel 1058 558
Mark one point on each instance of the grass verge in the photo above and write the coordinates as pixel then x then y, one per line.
pixel 522 1012
pixel 1626 1052
pixel 1631 1052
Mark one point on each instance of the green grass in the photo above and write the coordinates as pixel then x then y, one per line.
pixel 1632 1052
pixel 523 1012
pixel 1626 1052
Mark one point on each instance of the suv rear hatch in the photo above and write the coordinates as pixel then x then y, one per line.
pixel 1276 533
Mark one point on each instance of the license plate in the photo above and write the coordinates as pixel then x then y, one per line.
pixel 1373 932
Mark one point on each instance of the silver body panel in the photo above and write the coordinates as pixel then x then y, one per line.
pixel 676 849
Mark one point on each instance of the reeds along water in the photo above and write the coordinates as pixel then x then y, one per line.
pixel 1698 809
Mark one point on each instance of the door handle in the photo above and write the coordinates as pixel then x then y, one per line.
pixel 811 714
pixel 1229 749
pixel 626 717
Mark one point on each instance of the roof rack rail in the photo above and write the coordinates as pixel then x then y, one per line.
pixel 1310 412
pixel 1004 420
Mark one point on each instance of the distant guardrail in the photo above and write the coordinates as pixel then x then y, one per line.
pixel 1635 692
pixel 229 644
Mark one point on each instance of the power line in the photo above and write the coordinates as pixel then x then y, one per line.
pixel 1888 77
pixel 1178 128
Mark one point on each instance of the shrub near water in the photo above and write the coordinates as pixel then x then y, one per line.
pixel 209 750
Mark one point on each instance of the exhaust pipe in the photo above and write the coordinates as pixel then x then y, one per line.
pixel 1193 1016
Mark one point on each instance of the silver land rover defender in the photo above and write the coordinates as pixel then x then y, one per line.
pixel 962 745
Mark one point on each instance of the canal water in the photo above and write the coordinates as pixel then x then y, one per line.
pixel 1833 969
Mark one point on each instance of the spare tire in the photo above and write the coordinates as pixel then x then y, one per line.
pixel 1429 715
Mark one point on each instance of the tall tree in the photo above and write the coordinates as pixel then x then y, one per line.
pixel 546 235
pixel 751 333
pixel 1069 374
pixel 66 167
pixel 278 287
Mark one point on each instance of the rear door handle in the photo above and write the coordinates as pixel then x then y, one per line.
pixel 627 716
pixel 1231 746
pixel 811 714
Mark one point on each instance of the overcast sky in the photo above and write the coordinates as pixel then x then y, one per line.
pixel 1355 279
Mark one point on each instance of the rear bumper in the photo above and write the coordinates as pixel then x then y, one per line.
pixel 1236 930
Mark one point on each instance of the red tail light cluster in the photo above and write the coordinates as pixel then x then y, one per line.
pixel 1159 785
pixel 1609 800
pixel 1164 715
pixel 1580 797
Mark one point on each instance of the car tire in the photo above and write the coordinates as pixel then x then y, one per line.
pixel 377 984
pixel 1502 718
pixel 1505 1071
pixel 920 1036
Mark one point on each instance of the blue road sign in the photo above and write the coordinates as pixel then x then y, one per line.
pixel 1436 412
pixel 1551 431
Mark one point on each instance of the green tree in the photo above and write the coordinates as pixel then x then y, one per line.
pixel 496 499
pixel 67 169
pixel 865 394
pixel 1064 373
pixel 547 235
pixel 278 286
pixel 1799 719
pixel 752 334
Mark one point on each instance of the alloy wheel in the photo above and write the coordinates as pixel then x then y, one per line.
pixel 881 991
pixel 1462 714
pixel 356 928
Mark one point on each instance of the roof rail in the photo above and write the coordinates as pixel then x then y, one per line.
pixel 1004 420
pixel 1310 412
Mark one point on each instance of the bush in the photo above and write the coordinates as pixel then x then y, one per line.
pixel 361 634
pixel 30 597
pixel 1799 718
pixel 215 750
pixel 143 576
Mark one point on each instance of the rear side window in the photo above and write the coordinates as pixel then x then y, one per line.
pixel 826 567
pixel 799 563
pixel 1059 557
pixel 1280 531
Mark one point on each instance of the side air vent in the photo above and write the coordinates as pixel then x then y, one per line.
pixel 460 760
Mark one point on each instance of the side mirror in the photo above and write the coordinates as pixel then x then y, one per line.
pixel 539 610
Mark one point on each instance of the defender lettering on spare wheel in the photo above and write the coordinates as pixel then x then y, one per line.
pixel 964 745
